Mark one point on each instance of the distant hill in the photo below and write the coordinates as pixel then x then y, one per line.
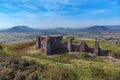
pixel 19 29
pixel 114 27
pixel 64 31
pixel 24 29
pixel 98 29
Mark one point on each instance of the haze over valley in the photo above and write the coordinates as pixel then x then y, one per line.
pixel 25 33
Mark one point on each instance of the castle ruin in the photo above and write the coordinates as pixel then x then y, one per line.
pixel 51 44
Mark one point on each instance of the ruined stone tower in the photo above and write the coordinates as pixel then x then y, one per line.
pixel 82 46
pixel 54 45
pixel 38 42
pixel 70 45
pixel 96 47
pixel 49 43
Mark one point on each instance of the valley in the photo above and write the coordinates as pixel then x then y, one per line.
pixel 17 37
pixel 24 33
pixel 21 60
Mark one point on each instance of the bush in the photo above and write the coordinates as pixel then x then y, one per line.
pixel 7 74
pixel 83 55
pixel 104 74
pixel 54 73
pixel 116 55
pixel 117 77
pixel 19 69
pixel 63 58
pixel 20 76
pixel 33 76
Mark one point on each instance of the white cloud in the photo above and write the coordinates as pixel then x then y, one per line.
pixel 56 13
pixel 31 7
pixel 99 11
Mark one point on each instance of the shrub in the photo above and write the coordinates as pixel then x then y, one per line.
pixel 117 77
pixel 33 76
pixel 20 76
pixel 54 73
pixel 104 74
pixel 19 69
pixel 83 55
pixel 7 74
pixel 116 55
pixel 63 58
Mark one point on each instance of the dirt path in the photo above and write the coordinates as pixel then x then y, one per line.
pixel 114 60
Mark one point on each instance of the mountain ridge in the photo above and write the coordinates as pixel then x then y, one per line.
pixel 18 29
pixel 96 29
pixel 114 27
pixel 60 30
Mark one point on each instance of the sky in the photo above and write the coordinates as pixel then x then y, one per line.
pixel 44 14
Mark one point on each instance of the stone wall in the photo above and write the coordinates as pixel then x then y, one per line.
pixel 53 44
pixel 49 43
pixel 38 41
pixel 83 47
pixel 70 45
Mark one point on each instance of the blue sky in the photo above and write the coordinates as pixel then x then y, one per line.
pixel 59 13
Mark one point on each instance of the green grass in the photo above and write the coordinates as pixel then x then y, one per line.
pixel 17 50
pixel 82 68
pixel 85 70
pixel 25 48
pixel 106 45
pixel 29 68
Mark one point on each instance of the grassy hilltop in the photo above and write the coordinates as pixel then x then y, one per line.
pixel 24 62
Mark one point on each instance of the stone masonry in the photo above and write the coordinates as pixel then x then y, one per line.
pixel 96 47
pixel 70 45
pixel 51 44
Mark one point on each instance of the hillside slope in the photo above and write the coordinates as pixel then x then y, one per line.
pixel 21 64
